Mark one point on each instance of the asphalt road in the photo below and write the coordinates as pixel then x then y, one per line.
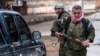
pixel 44 28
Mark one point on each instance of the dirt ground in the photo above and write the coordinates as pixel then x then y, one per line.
pixel 52 45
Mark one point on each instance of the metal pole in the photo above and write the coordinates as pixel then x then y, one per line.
pixel 82 4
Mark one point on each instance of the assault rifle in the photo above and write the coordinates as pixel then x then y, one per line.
pixel 69 40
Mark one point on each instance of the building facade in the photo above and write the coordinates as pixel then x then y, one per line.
pixel 47 6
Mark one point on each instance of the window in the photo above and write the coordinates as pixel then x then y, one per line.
pixel 11 27
pixel 1 36
pixel 23 28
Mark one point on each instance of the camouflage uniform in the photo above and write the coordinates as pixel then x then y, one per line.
pixel 58 27
pixel 75 30
pixel 63 15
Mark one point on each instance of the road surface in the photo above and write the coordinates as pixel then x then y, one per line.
pixel 44 27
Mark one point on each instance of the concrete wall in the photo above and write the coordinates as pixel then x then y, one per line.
pixel 44 9
pixel 48 6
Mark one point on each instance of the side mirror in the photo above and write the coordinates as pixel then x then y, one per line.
pixel 36 35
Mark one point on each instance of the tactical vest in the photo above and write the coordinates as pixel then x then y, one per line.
pixel 85 26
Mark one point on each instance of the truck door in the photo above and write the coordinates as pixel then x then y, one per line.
pixel 12 33
pixel 29 48
pixel 5 49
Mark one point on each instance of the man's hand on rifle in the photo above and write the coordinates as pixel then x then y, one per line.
pixel 86 43
pixel 58 34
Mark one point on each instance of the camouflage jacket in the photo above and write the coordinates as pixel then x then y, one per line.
pixel 63 15
pixel 75 30
pixel 58 23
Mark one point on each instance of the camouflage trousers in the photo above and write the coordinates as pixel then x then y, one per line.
pixel 63 51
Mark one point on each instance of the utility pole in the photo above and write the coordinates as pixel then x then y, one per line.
pixel 82 4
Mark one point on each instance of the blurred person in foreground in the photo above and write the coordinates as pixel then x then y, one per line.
pixel 80 29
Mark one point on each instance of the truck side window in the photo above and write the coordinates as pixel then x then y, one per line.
pixel 11 27
pixel 1 36
pixel 23 28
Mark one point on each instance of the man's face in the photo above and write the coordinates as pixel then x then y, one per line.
pixel 58 10
pixel 77 13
